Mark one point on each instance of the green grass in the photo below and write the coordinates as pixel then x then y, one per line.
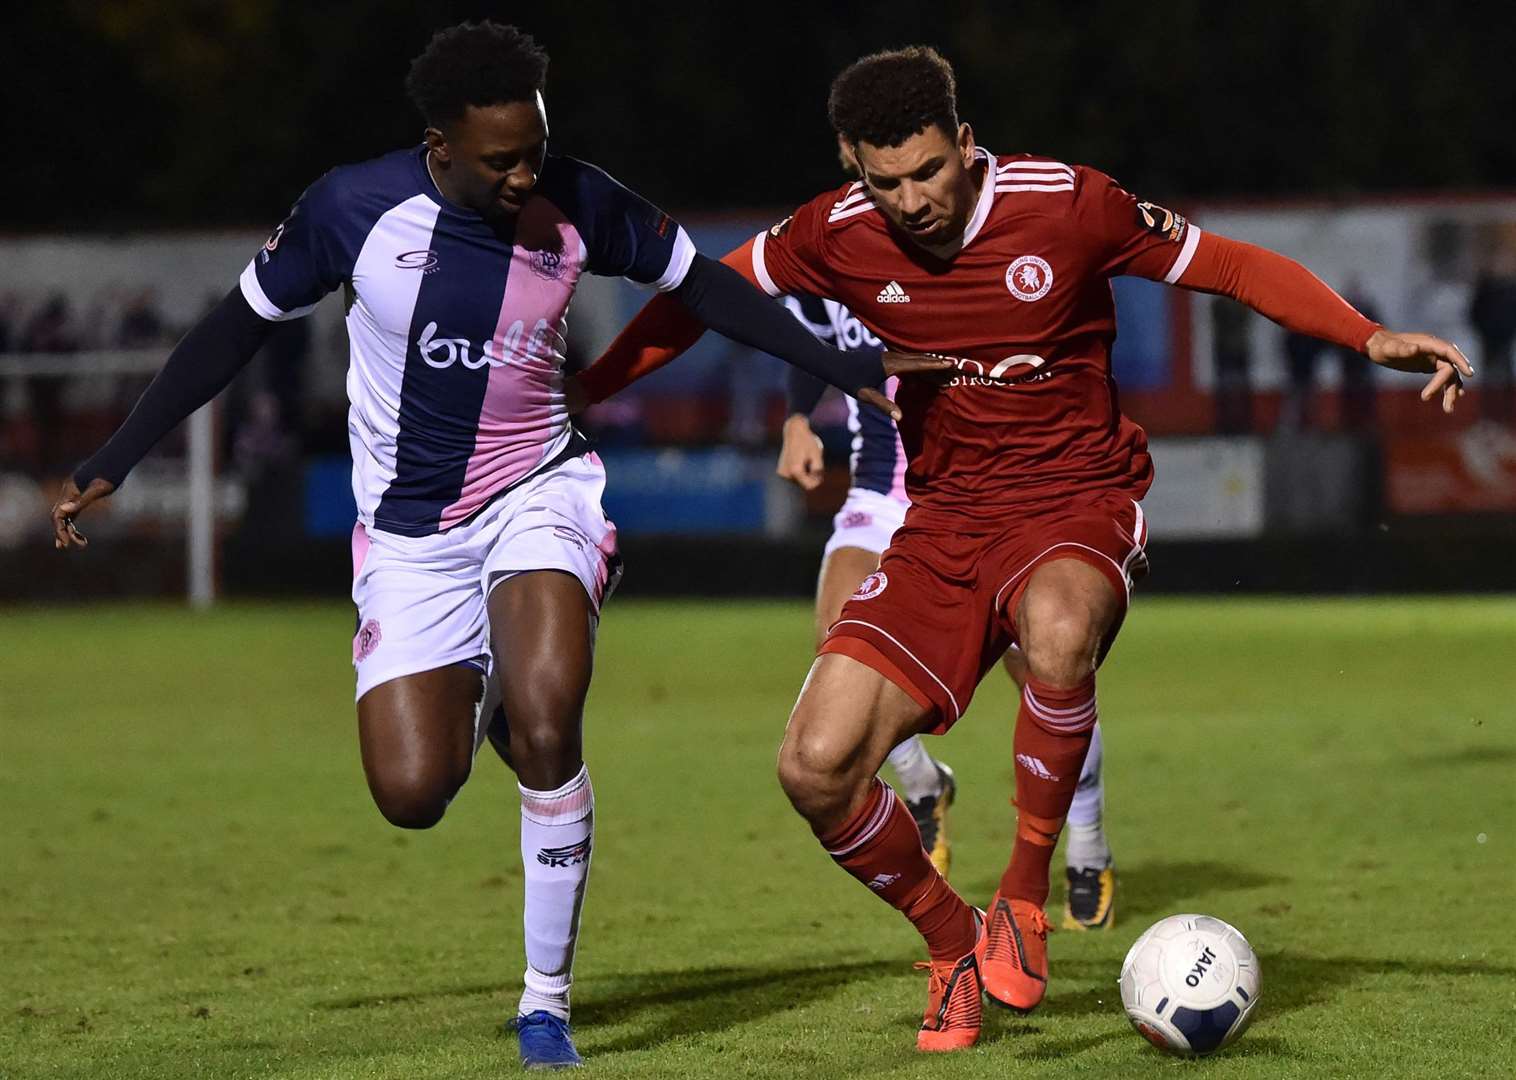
pixel 194 884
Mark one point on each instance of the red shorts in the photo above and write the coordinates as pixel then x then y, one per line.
pixel 940 610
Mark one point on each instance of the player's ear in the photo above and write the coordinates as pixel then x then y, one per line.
pixel 966 144
pixel 436 142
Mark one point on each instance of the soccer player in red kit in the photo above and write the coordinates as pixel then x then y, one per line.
pixel 1024 480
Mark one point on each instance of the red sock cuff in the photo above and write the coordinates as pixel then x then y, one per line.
pixel 1061 710
pixel 864 825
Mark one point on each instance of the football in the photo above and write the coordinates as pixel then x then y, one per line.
pixel 1190 984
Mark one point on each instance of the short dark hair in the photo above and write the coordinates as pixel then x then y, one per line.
pixel 483 63
pixel 889 96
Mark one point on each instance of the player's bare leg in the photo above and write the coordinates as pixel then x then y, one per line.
pixel 416 735
pixel 1063 620
pixel 846 722
pixel 926 784
pixel 542 632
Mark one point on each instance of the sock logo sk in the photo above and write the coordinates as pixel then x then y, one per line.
pixel 568 855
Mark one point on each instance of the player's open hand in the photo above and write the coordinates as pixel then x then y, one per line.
pixel 70 501
pixel 800 455
pixel 903 364
pixel 1427 355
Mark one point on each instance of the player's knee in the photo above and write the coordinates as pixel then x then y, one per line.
pixel 1063 646
pixel 1060 642
pixel 813 774
pixel 546 747
pixel 412 805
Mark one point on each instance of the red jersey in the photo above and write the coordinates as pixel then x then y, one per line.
pixel 1025 296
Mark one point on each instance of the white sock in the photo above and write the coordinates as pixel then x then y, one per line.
pixel 915 769
pixel 1086 846
pixel 557 831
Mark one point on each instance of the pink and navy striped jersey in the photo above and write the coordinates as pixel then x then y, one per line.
pixel 878 458
pixel 456 326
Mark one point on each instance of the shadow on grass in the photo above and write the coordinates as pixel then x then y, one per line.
pixel 667 1005
pixel 1469 755
pixel 405 997
pixel 1152 888
pixel 660 1007
pixel 1290 981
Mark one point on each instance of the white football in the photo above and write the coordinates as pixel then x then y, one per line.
pixel 1190 984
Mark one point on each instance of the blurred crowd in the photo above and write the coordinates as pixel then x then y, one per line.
pixel 50 420
pixel 289 403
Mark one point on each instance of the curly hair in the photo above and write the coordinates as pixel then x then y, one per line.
pixel 885 98
pixel 483 63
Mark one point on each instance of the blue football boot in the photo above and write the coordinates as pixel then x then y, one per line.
pixel 546 1042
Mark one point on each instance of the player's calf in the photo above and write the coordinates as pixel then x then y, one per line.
pixel 845 722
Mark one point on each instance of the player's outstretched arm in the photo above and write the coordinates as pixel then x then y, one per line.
pixel 1292 296
pixel 726 300
pixel 211 354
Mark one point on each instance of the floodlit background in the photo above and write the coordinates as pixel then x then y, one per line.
pixel 192 881
pixel 1361 139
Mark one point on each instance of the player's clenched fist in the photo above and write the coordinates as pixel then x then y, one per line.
pixel 1427 355
pixel 800 455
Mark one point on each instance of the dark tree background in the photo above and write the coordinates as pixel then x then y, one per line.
pixel 138 113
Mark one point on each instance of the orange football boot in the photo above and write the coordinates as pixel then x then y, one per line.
pixel 1013 954
pixel 954 1006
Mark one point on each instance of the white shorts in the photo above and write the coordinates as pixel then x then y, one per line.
pixel 867 520
pixel 421 599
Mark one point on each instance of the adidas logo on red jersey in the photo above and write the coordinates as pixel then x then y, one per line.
pixel 893 294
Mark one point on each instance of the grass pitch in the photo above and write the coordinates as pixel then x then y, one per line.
pixel 193 882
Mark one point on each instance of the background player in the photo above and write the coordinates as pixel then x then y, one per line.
pixel 1023 474
pixel 874 508
pixel 481 548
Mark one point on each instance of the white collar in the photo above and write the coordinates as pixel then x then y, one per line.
pixel 981 209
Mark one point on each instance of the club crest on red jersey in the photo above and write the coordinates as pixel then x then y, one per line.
pixel 1029 277
pixel 872 585
pixel 778 230
pixel 1157 219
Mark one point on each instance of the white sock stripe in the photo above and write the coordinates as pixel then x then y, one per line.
pixel 1061 727
pixel 1061 718
pixel 1087 703
pixel 876 822
pixel 1080 718
pixel 571 802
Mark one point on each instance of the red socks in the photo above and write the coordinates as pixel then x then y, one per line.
pixel 881 847
pixel 1052 738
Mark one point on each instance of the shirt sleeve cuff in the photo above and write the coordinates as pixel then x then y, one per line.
pixel 257 299
pixel 1186 253
pixel 760 268
pixel 679 262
